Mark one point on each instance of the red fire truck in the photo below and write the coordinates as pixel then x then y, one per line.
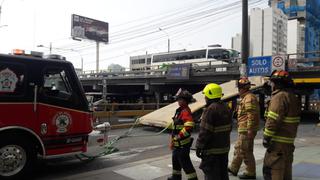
pixel 43 113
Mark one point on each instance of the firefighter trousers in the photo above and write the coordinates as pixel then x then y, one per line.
pixel 277 164
pixel 243 152
pixel 181 160
pixel 215 167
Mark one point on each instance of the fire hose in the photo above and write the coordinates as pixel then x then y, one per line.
pixel 109 149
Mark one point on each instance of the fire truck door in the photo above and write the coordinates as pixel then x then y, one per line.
pixel 57 112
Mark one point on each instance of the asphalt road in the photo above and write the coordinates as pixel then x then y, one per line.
pixel 133 149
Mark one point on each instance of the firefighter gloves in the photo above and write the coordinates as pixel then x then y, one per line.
pixel 199 153
pixel 266 141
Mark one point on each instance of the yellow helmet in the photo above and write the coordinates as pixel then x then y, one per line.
pixel 212 91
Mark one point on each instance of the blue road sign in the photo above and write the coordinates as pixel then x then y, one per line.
pixel 178 71
pixel 259 66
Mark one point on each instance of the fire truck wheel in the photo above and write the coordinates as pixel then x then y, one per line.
pixel 17 157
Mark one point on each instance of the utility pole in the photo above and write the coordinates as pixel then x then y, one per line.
pixel 168 45
pixel 245 39
pixel 50 47
pixel 97 60
pixel 0 10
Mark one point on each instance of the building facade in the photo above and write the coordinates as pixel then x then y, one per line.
pixel 307 14
pixel 275 29
pixel 268 32
pixel 236 42
pixel 296 38
pixel 140 62
pixel 256 32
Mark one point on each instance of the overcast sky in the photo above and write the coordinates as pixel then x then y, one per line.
pixel 34 22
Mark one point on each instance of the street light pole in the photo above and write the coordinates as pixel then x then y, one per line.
pixel 245 39
pixel 62 49
pixel 50 48
pixel 160 29
pixel 80 57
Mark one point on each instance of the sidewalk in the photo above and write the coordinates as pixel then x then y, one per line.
pixel 306 165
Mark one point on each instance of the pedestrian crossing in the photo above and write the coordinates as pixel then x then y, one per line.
pixel 160 169
pixel 144 172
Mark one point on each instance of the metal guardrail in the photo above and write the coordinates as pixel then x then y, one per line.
pixel 204 67
pixel 298 62
pixel 295 62
pixel 303 64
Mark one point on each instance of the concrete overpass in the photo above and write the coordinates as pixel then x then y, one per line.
pixel 158 82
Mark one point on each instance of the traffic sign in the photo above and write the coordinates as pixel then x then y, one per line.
pixel 178 71
pixel 278 62
pixel 259 66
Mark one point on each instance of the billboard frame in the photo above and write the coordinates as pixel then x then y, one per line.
pixel 87 28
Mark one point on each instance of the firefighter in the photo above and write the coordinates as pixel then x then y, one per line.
pixel 248 113
pixel 282 120
pixel 181 138
pixel 213 143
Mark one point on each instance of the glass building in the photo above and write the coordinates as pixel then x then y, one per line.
pixel 308 14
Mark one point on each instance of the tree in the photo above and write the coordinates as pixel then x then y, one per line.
pixel 115 68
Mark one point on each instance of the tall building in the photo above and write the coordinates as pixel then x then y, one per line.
pixel 307 14
pixel 236 42
pixel 296 37
pixel 268 32
pixel 256 30
pixel 274 32
pixel 140 62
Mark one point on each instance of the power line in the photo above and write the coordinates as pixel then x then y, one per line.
pixel 218 19
pixel 182 24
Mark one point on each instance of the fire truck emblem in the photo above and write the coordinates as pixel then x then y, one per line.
pixel 8 80
pixel 62 121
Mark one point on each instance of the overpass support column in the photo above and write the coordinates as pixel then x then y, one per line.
pixel 307 103
pixel 157 96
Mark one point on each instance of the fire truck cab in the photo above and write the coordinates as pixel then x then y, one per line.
pixel 44 113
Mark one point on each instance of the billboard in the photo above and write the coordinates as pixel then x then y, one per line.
pixel 86 28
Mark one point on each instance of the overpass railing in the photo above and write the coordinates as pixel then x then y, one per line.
pixel 307 61
pixel 304 62
pixel 201 67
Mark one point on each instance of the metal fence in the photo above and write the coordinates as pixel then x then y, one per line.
pixel 295 62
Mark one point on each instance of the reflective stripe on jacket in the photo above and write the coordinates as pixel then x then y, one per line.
pixel 182 127
pixel 283 116
pixel 215 128
pixel 248 113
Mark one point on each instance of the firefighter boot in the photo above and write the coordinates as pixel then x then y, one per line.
pixel 232 172
pixel 246 176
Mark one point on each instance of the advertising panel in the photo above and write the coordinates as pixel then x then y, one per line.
pixel 86 28
pixel 178 71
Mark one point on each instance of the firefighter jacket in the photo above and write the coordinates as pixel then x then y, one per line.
pixel 283 116
pixel 215 128
pixel 182 127
pixel 248 113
